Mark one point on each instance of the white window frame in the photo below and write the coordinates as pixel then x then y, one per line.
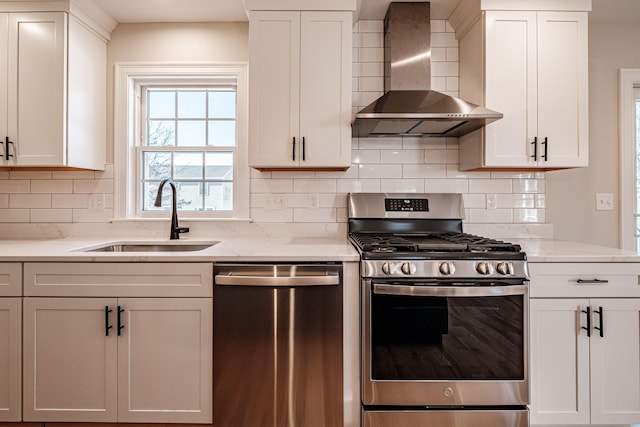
pixel 128 79
pixel 629 81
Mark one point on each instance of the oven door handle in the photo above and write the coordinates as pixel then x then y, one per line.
pixel 449 291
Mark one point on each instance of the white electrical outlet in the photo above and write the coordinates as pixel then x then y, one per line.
pixel 275 201
pixel 314 201
pixel 96 203
pixel 491 201
pixel 604 201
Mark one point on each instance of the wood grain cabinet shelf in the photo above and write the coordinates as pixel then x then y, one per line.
pixel 98 357
pixel 585 343
pixel 530 65
pixel 52 92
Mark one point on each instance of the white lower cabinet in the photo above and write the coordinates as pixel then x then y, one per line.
pixel 10 359
pixel 106 358
pixel 585 350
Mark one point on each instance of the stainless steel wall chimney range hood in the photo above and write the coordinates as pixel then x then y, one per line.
pixel 408 106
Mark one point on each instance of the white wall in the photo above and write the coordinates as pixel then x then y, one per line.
pixel 571 194
pixel 46 204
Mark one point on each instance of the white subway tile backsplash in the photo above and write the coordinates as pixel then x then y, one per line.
pixel 490 186
pixel 371 84
pixel 413 143
pixel 52 215
pixel 453 172
pixel 4 201
pixel 14 215
pixel 271 185
pixel 446 186
pixel 371 54
pixel 515 201
pixel 477 201
pixel 444 69
pixel 314 186
pixel 380 171
pixel 87 216
pixel 453 54
pixel 439 83
pixel 358 185
pixel 438 54
pixel 15 186
pixel 18 174
pixel 528 186
pixel 402 156
pixel 391 143
pixel 441 157
pixel 273 215
pixel 529 215
pixel 424 171
pixel 371 26
pixel 484 216
pixel 402 185
pixel 314 215
pixel 53 186
pixel 30 200
pixel 443 40
pixel 370 40
pixel 365 156
pixel 93 186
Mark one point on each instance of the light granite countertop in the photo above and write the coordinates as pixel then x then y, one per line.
pixel 273 250
pixel 227 250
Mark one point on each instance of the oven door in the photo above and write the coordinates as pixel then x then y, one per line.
pixel 444 344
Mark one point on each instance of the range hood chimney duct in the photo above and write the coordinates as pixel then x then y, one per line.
pixel 408 106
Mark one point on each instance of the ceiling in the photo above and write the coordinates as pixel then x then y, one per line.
pixel 130 11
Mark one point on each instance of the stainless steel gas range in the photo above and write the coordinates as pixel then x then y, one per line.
pixel 444 316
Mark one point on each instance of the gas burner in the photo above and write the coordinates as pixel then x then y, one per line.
pixel 383 249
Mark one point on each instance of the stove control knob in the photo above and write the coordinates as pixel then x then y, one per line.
pixel 408 268
pixel 447 268
pixel 386 268
pixel 484 268
pixel 505 268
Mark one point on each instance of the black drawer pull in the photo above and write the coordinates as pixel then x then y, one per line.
pixel 588 313
pixel 592 281
pixel 601 315
pixel 107 326
pixel 120 325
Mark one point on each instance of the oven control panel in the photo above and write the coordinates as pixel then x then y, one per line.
pixel 406 205
pixel 445 269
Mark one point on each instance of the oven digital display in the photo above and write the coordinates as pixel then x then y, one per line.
pixel 406 205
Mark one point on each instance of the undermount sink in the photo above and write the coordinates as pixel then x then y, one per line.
pixel 149 247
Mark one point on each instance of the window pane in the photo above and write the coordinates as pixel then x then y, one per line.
pixel 161 104
pixel 192 104
pixel 222 104
pixel 189 196
pixel 222 133
pixel 149 191
pixel 219 196
pixel 188 165
pixel 219 165
pixel 192 133
pixel 161 133
pixel 156 165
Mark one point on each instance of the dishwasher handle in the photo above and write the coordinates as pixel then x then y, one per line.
pixel 290 281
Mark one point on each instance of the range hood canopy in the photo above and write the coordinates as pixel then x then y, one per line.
pixel 408 106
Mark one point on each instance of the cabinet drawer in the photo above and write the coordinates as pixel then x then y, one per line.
pixel 10 279
pixel 584 280
pixel 119 279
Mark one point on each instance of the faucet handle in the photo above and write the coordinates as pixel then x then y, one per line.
pixel 182 229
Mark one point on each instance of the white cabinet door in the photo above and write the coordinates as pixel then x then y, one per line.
pixel 615 361
pixel 37 88
pixel 511 67
pixel 563 89
pixel 559 353
pixel 300 98
pixel 274 79
pixel 325 89
pixel 165 360
pixel 10 359
pixel 70 360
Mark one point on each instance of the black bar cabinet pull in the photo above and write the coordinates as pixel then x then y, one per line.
pixel 294 148
pixel 588 313
pixel 592 281
pixel 303 149
pixel 535 148
pixel 107 326
pixel 546 149
pixel 7 156
pixel 120 325
pixel 600 312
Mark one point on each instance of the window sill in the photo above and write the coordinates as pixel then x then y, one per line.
pixel 181 218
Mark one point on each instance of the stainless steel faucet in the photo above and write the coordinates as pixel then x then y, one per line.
pixel 175 229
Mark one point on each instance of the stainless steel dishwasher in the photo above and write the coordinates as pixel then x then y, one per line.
pixel 278 345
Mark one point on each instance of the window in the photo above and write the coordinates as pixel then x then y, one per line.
pixel 630 158
pixel 188 124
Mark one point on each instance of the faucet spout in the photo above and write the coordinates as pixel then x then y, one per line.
pixel 175 228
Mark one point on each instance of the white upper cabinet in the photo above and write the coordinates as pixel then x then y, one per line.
pixel 300 89
pixel 53 100
pixel 531 66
